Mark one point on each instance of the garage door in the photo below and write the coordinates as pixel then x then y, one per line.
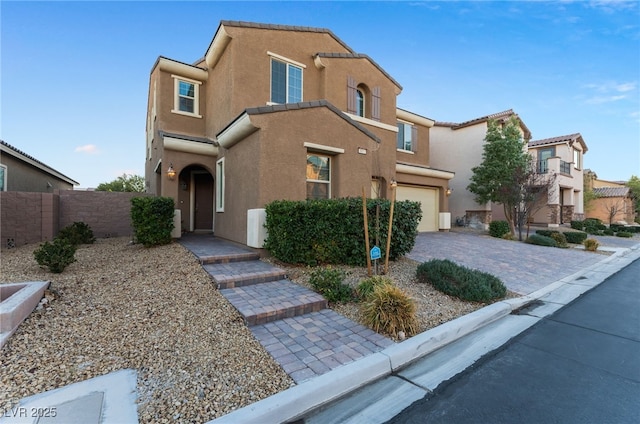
pixel 428 198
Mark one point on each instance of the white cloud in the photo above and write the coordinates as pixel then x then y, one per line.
pixel 90 149
pixel 604 99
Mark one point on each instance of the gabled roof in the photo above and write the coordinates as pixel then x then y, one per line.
pixel 500 116
pixel 611 191
pixel 563 139
pixel 186 137
pixel 240 127
pixel 359 56
pixel 19 154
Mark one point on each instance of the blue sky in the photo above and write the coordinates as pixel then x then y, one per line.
pixel 74 75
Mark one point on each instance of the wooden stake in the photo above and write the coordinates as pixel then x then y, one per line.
pixel 366 231
pixel 393 201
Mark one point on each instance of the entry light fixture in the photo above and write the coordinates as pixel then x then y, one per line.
pixel 449 191
pixel 171 173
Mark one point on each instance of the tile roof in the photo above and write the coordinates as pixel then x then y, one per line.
pixel 611 191
pixel 570 139
pixel 46 168
pixel 501 116
pixel 306 105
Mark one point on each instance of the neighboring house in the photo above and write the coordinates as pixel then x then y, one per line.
pixel 282 112
pixel 562 156
pixel 613 201
pixel 459 147
pixel 22 172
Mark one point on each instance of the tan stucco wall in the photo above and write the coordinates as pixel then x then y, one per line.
pixel 22 176
pixel 599 208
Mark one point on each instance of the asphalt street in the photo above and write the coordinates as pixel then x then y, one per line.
pixel 578 365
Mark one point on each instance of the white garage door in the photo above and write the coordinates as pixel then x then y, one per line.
pixel 428 198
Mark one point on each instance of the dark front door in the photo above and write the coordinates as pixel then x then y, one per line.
pixel 203 213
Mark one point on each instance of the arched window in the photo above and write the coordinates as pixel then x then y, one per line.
pixel 359 103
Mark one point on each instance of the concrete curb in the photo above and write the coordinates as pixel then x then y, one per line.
pixel 299 400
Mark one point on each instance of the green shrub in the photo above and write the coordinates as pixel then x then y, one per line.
pixel 541 240
pixel 498 228
pixel 390 310
pixel 560 239
pixel 331 231
pixel 56 255
pixel 575 237
pixel 461 282
pixel 547 233
pixel 152 219
pixel 508 236
pixel 592 222
pixel 366 286
pixel 329 283
pixel 77 233
pixel 608 232
pixel 577 225
pixel 624 234
pixel 591 245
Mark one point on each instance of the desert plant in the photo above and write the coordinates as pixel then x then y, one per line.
pixel 498 228
pixel 56 255
pixel 541 240
pixel 508 236
pixel 461 282
pixel 591 245
pixel 366 286
pixel 77 233
pixel 329 282
pixel 390 310
pixel 560 239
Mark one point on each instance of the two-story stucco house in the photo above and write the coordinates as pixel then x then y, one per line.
pixel 562 156
pixel 459 147
pixel 281 112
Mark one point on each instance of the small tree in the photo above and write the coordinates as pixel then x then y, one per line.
pixel 612 207
pixel 504 156
pixel 125 182
pixel 634 186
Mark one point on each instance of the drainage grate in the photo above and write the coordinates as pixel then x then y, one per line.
pixel 11 243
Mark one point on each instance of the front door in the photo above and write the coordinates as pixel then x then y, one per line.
pixel 203 201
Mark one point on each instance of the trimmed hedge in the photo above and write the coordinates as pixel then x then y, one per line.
pixel 461 282
pixel 574 237
pixel 498 228
pixel 624 234
pixel 152 219
pixel 541 240
pixel 332 231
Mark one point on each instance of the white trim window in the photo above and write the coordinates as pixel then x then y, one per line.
pixel 359 103
pixel 318 176
pixel 186 99
pixel 577 159
pixel 407 137
pixel 220 185
pixel 3 178
pixel 286 82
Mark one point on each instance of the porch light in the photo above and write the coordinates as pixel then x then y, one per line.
pixel 171 173
pixel 449 191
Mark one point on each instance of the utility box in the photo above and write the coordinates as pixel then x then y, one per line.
pixel 177 224
pixel 444 221
pixel 256 231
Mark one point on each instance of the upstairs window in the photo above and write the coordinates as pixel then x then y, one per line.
pixel 359 103
pixel 186 96
pixel 318 177
pixel 577 159
pixel 3 178
pixel 286 82
pixel 407 137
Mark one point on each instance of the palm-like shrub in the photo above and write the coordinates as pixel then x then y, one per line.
pixel 390 310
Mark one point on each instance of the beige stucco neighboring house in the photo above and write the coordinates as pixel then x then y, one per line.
pixel 562 156
pixel 282 112
pixel 613 201
pixel 20 171
pixel 459 147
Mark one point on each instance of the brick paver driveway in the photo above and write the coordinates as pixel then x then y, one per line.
pixel 524 268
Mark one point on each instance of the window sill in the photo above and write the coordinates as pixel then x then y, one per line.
pixel 405 151
pixel 179 112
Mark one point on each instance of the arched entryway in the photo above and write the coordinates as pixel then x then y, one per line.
pixel 196 199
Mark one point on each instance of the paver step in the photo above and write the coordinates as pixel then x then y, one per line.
pixel 271 301
pixel 244 273
pixel 225 259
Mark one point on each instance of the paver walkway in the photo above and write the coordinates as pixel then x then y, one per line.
pixel 290 321
pixel 524 268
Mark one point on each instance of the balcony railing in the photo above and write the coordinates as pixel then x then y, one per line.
pixel 543 167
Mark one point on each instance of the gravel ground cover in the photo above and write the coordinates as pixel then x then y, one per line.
pixel 153 310
pixel 156 311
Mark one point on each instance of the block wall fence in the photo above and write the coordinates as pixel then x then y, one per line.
pixel 27 217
